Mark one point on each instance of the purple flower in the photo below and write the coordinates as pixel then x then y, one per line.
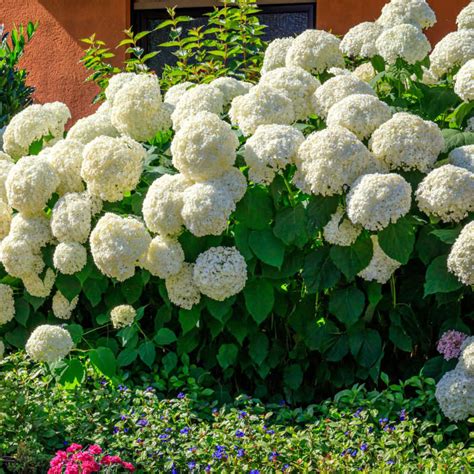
pixel 403 415
pixel 285 467
pixel 242 414
pixel 181 395
pixel 450 344
pixel 139 440
pixel 273 456
pixel 122 388
pixel 357 413
pixel 164 437
pixel 214 411
pixel 254 471
pixel 347 433
pixel 125 430
pixel 185 430
pixel 363 447
pixel 282 403
pixel 115 430
pixel 192 465
pixel 123 417
pixel 149 389
pixel 390 462
pixel 219 453
pixel 239 434
pixel 103 382
pixel 65 443
pixel 240 453
pixel 270 432
pixel 208 468
pixel 354 453
pixel 142 422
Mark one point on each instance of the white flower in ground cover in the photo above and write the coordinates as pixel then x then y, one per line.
pixel 93 126
pixel 175 93
pixel 455 395
pixel 465 19
pixel 405 42
pixel 7 304
pixel 407 142
pixel 35 231
pixel 30 184
pixel 381 266
pixel 164 257
pixel 62 307
pixel 204 147
pixel 270 150
pixel 275 54
pixel 163 204
pixel 376 200
pixel 296 84
pixel 117 245
pixel 48 343
pixel 365 72
pixel 461 256
pixel 336 89
pixel 340 230
pixel 415 12
pixel 32 124
pixel 40 287
pixel 315 51
pixel 182 291
pixel 69 257
pixel 464 81
pixel 261 106
pixel 463 157
pixel 220 272
pixel 112 166
pixel 447 192
pixel 122 316
pixel 231 87
pixel 330 160
pixel 362 114
pixel 360 40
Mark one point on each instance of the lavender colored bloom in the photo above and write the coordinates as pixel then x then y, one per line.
pixel 347 433
pixel 125 430
pixel 363 447
pixel 164 437
pixel 219 453
pixel 181 395
pixel 354 453
pixel 390 462
pixel 103 382
pixel 450 343
pixel 239 434
pixel 115 429
pixel 214 410
pixel 208 468
pixel 123 417
pixel 240 453
pixel 270 432
pixel 142 423
pixel 273 456
pixel 254 471
pixel 139 440
pixel 371 429
pixel 149 389
pixel 242 414
pixel 403 415
pixel 285 467
pixel 192 465
pixel 185 430
pixel 122 388
pixel 65 443
pixel 357 413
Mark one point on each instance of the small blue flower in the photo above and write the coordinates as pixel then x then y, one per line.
pixel 65 443
pixel 357 413
pixel 164 437
pixel 403 415
pixel 239 434
pixel 125 430
pixel 382 421
pixel 254 471
pixel 363 447
pixel 115 429
pixel 273 456
pixel 354 453
pixel 208 468
pixel 123 417
pixel 390 462
pixel 371 429
pixel 122 388
pixel 142 422
pixel 103 382
pixel 214 411
pixel 192 465
pixel 242 414
pixel 240 453
pixel 271 432
pixel 282 403
pixel 347 433
pixel 149 389
pixel 139 440
pixel 185 430
pixel 181 395
pixel 285 467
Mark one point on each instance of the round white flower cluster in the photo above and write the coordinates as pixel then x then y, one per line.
pixel 92 126
pixel 447 192
pixel 465 19
pixel 34 230
pixel 275 54
pixel 116 82
pixel 463 157
pixel 376 200
pixel 330 160
pixel 466 359
pixel 315 51
pixel 34 123
pixel 164 257
pixel 2 131
pixel 7 304
pixel 362 114
pixel 62 307
pixel 464 85
pixel 261 106
pixel 461 256
pixel 117 245
pixel 48 343
pixel 182 291
pixel 296 84
pixel 415 12
pixel 455 395
pixel 122 316
pixel 365 72
pixel 36 286
pixel 220 272
pixel 360 40
pixel 336 89
pixel 112 166
pixel 69 257
pixel 381 266
pixel 231 88
pixel 270 150
pixel 5 166
pixel 405 42
pixel 340 230
pixel 407 141
pixel 175 93
pixel 5 219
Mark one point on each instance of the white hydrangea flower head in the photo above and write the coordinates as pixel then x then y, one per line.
pixel 455 395
pixel 5 219
pixel 201 98
pixel 405 42
pixel 204 147
pixel 93 126
pixel 261 106
pixel 469 125
pixel 233 182
pixel 220 272
pixel 447 192
pixel 336 89
pixel 164 257
pixel 463 157
pixel 65 157
pixel 7 304
pixel 175 93
pixel 362 114
pixel 2 131
pixel 32 124
pixel 407 142
pixel 117 245
pixel 461 256
pixel 5 168
pixel 163 204
pixel 455 49
pixel 138 111
pixel 466 360
pixel 340 230
pixel 415 12
pixel 49 343
pixel 35 231
pixel 69 257
pixel 275 54
pixel 71 218
pixel 428 78
pixel 231 88
pixel 270 150
pixel 376 200
pixel 339 71
pixel 122 316
pixel 30 184
pixel 296 84
pixel 95 202
pixel 330 160
pixel 365 72
pixel 315 51
pixel 359 41
pixel 381 266
pixel 112 166
pixel 206 209
pixel 4 156
pixel 36 286
pixel 465 19
pixel 464 81
pixel 18 258
pixel 62 307
pixel 116 82
pixel 182 291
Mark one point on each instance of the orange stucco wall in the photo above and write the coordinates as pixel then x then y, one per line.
pixel 52 58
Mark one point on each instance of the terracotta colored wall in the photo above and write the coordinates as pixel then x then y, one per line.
pixel 52 58
pixel 340 15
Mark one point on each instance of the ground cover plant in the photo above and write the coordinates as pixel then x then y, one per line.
pixel 291 237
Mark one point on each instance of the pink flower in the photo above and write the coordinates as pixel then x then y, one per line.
pixel 450 344
pixel 95 449
pixel 128 466
pixel 71 468
pixel 90 466
pixel 111 460
pixel 56 470
pixel 73 448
